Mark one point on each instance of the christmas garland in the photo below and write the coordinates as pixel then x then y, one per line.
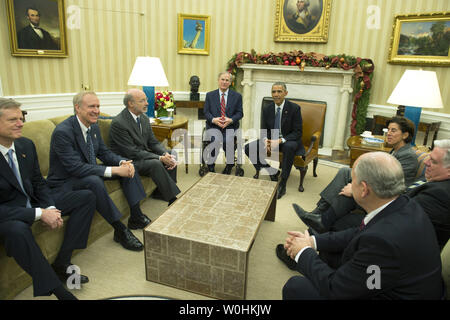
pixel 363 72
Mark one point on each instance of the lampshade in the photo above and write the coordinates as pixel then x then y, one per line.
pixel 417 88
pixel 148 71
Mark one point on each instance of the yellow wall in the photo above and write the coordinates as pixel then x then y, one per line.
pixel 114 32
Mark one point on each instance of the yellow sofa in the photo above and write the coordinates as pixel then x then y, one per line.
pixel 12 278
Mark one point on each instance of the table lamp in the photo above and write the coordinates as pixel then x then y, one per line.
pixel 148 72
pixel 416 89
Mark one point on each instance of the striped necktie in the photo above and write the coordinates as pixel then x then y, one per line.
pixel 91 152
pixel 222 106
pixel 416 184
pixel 16 173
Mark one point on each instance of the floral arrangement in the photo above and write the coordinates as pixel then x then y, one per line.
pixel 163 101
pixel 363 73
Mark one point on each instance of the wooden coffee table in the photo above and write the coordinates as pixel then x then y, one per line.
pixel 201 243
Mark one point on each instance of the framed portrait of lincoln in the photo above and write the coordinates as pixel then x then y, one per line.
pixel 37 28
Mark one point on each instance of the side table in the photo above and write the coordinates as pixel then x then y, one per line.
pixel 357 148
pixel 164 131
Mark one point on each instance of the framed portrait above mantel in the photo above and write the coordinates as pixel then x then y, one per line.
pixel 421 39
pixel 302 20
pixel 37 28
pixel 193 33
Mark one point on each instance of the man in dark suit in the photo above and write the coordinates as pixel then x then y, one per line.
pixel 223 110
pixel 132 137
pixel 26 198
pixel 392 255
pixel 33 36
pixel 433 196
pixel 76 143
pixel 281 130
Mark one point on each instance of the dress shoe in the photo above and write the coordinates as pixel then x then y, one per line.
pixel 127 239
pixel 312 220
pixel 138 221
pixel 274 177
pixel 211 168
pixel 281 190
pixel 172 201
pixel 256 176
pixel 283 256
pixel 63 275
pixel 227 169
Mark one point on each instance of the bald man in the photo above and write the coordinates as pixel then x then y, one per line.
pixel 132 137
pixel 394 254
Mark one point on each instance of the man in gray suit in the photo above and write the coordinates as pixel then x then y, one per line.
pixel 131 136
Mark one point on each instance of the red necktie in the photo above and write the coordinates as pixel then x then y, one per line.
pixel 362 226
pixel 222 106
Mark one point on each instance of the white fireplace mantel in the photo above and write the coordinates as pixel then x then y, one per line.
pixel 313 83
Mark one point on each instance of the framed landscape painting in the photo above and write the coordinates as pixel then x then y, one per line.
pixel 193 34
pixel 421 39
pixel 37 28
pixel 302 20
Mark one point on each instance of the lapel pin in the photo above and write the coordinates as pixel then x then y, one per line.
pixel 24 155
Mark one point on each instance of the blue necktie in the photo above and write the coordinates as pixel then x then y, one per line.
pixel 16 173
pixel 278 120
pixel 91 152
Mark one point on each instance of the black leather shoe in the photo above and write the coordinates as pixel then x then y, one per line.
pixel 256 176
pixel 63 275
pixel 211 168
pixel 127 239
pixel 274 177
pixel 281 190
pixel 172 201
pixel 138 222
pixel 310 219
pixel 283 256
pixel 227 169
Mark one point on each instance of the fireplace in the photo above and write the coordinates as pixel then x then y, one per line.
pixel 334 86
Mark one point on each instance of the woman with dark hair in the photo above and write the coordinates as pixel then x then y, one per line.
pixel 399 136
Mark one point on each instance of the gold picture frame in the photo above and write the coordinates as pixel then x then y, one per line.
pixel 419 39
pixel 37 29
pixel 193 33
pixel 302 20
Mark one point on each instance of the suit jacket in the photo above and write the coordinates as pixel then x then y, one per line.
pixel 69 153
pixel 126 139
pixel 12 199
pixel 408 159
pixel 434 198
pixel 400 240
pixel 233 109
pixel 28 39
pixel 291 123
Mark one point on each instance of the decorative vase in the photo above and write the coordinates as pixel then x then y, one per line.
pixel 161 112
